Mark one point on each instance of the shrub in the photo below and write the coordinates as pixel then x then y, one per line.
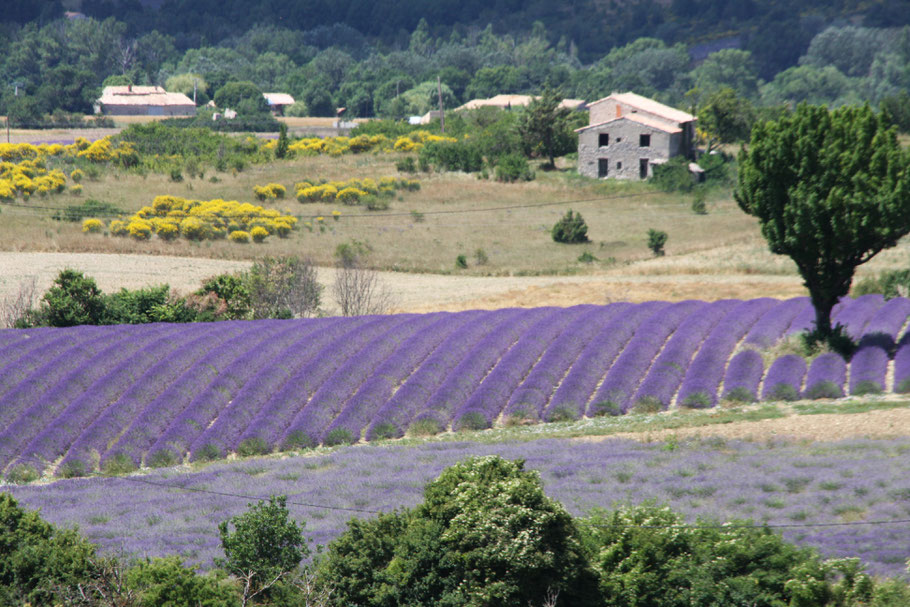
pixel 656 241
pixel 253 446
pixel 604 408
pixel 76 190
pixel 648 405
pixel 208 453
pixel 176 175
pixel 472 420
pixel 297 440
pixel 258 234
pixel 824 389
pixel 587 257
pixel 461 262
pixel 92 226
pixel 377 204
pixel 21 474
pixel 162 459
pixel 194 228
pixel 480 257
pixel 139 230
pixel 699 207
pixel 384 430
pixel 513 167
pixel 428 426
pixel 72 469
pixel 697 400
pixel 740 394
pixel 117 227
pixel 563 414
pixel 571 229
pixel 866 386
pixel 339 436
pixel 76 175
pixel 783 392
pixel 673 175
pixel 89 208
pixel 167 231
pixel 406 165
pixel 119 463
pixel 350 195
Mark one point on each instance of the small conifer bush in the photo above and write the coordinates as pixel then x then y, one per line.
pixel 571 229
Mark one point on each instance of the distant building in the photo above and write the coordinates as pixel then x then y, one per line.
pixel 130 100
pixel 628 134
pixel 507 102
pixel 277 102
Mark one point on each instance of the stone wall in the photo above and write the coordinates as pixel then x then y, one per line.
pixel 624 149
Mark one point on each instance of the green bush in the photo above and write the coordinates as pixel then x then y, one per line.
pixel 461 262
pixel 428 426
pixel 866 386
pixel 697 400
pixel 824 389
pixel 647 405
pixel 656 241
pixel 604 408
pixel 253 446
pixel 784 392
pixel 296 441
pixel 513 167
pixel 570 229
pixel 740 394
pixel 208 453
pixel 472 420
pixel 563 414
pixel 162 459
pixel 339 436
pixel 119 463
pixel 444 156
pixel 673 175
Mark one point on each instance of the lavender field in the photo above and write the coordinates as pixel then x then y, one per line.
pixel 113 398
pixel 848 498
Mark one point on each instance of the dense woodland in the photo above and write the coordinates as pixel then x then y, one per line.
pixel 379 59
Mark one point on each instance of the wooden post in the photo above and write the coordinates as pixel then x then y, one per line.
pixel 442 112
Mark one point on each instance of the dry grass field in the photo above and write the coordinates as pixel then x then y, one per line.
pixel 416 241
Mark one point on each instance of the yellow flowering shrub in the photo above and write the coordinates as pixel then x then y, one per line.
pixel 259 234
pixel 350 195
pixel 310 194
pixel 76 190
pixel 76 175
pixel 118 227
pixel 97 151
pixel 139 229
pixel 239 236
pixel 92 226
pixel 270 190
pixel 7 191
pixel 171 217
pixel 329 192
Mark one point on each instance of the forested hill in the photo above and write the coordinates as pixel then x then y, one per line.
pixel 776 28
pixel 382 58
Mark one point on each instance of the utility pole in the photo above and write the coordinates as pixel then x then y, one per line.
pixel 194 91
pixel 442 111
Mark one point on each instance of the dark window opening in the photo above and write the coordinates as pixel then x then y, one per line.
pixel 603 139
pixel 603 167
pixel 643 168
pixel 644 141
pixel 618 139
pixel 618 166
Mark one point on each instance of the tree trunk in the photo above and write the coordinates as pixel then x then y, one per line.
pixel 823 309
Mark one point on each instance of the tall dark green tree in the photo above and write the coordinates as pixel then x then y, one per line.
pixel 830 190
pixel 544 127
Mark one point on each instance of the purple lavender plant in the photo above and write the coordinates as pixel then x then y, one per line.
pixel 785 378
pixel 827 376
pixel 884 327
pixel 627 371
pixel 773 323
pixel 595 360
pixel 703 377
pixel 868 368
pixel 528 400
pixel 669 368
pixel 743 376
pixel 403 406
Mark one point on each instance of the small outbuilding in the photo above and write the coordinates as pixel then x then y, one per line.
pixel 278 101
pixel 131 100
pixel 628 134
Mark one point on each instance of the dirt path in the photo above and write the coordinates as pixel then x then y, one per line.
pixel 883 423
pixel 411 292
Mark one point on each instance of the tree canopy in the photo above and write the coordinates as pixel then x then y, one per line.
pixel 831 189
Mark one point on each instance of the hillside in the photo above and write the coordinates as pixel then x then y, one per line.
pixel 84 398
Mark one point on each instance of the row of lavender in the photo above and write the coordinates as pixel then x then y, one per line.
pixel 90 397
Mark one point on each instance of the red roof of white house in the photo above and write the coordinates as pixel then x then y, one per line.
pixel 650 106
pixel 142 95
pixel 644 120
pixel 278 98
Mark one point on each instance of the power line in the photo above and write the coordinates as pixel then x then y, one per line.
pixel 581 520
pixel 372 215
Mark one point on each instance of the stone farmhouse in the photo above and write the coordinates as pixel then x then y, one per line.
pixel 628 134
pixel 133 100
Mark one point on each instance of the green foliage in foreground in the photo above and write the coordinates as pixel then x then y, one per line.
pixel 570 229
pixel 485 535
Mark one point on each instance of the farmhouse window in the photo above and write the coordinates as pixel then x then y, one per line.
pixel 643 168
pixel 603 167
pixel 603 140
pixel 618 139
pixel 619 166
pixel 644 141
